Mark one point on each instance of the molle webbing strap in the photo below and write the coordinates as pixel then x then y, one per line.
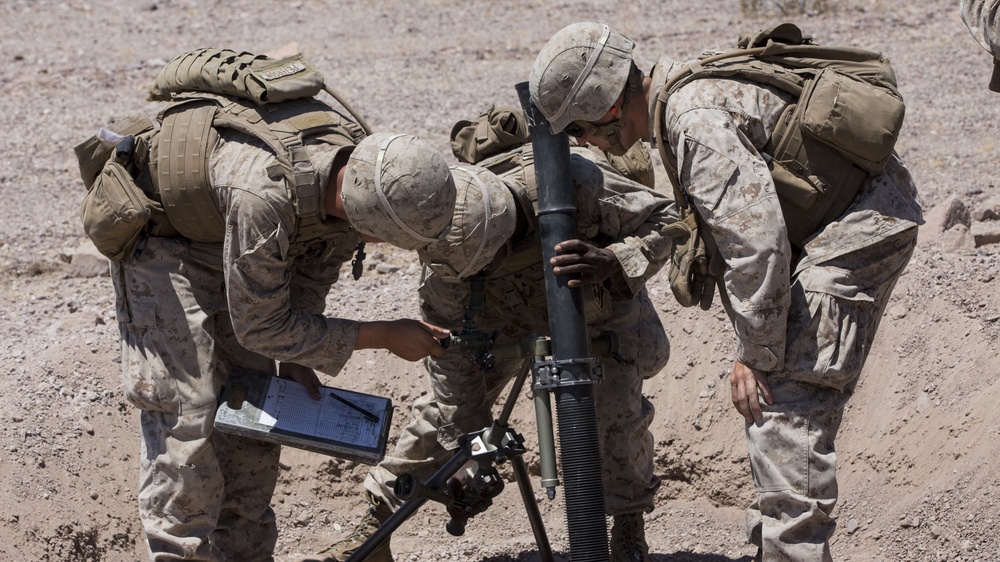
pixel 520 161
pixel 253 77
pixel 188 135
pixel 284 138
pixel 527 162
pixel 185 139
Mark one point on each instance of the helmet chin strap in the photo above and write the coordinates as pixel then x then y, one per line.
pixel 611 132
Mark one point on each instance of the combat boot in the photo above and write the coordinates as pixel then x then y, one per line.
pixel 339 551
pixel 628 539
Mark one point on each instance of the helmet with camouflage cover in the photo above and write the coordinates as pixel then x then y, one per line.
pixel 398 189
pixel 579 74
pixel 485 219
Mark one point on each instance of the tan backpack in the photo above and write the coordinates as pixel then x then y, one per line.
pixel 842 129
pixel 272 100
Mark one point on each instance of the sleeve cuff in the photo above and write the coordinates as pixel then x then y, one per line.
pixel 634 265
pixel 757 356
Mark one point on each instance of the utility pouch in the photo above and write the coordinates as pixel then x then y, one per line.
pixel 814 160
pixel 496 130
pixel 859 120
pixel 116 213
pixel 690 277
pixel 93 153
pixel 286 79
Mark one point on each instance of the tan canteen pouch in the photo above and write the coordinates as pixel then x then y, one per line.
pixel 115 212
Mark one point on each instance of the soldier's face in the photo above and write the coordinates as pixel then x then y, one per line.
pixel 604 133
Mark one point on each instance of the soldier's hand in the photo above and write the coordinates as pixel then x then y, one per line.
pixel 406 338
pixel 744 383
pixel 302 375
pixel 593 264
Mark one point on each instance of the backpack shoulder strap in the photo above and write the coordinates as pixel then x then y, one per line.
pixel 189 131
pixel 182 150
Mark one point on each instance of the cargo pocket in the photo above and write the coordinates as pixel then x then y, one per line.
pixel 146 378
pixel 654 345
pixel 828 328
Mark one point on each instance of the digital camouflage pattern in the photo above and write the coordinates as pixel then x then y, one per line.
pixel 190 311
pixel 193 482
pixel 398 189
pixel 808 320
pixel 582 69
pixel 629 217
pixel 484 220
pixel 273 313
pixel 983 20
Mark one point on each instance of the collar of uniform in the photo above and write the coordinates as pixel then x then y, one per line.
pixel 323 156
pixel 664 68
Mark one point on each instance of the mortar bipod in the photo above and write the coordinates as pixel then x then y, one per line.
pixel 493 445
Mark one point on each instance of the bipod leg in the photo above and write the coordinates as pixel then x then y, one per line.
pixel 408 508
pixel 531 507
pixel 522 476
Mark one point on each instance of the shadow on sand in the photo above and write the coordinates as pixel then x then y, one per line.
pixel 532 556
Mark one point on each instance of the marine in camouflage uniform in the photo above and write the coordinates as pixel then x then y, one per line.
pixel 983 20
pixel 804 318
pixel 191 311
pixel 617 215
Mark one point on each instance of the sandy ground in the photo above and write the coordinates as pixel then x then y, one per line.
pixel 920 438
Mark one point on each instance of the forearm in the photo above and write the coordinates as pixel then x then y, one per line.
pixel 267 321
pixel 311 340
pixel 373 335
pixel 641 255
pixel 633 217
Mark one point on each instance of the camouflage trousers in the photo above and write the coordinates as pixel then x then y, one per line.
pixel 835 311
pixel 203 495
pixel 462 399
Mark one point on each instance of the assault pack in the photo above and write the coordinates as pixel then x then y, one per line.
pixel 146 180
pixel 841 131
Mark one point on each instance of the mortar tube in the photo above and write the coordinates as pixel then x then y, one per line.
pixel 579 446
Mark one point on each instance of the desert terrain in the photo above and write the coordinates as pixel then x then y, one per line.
pixel 920 442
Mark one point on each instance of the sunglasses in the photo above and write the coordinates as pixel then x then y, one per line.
pixel 575 130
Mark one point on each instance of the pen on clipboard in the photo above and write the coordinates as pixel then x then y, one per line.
pixel 368 415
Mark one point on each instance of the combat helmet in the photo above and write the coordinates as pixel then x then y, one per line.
pixel 579 74
pixel 398 189
pixel 485 219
